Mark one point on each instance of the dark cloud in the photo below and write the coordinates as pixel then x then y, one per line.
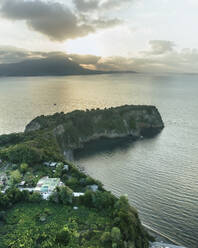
pixel 9 54
pixel 43 67
pixel 53 19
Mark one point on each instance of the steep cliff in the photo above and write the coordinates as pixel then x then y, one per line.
pixel 77 128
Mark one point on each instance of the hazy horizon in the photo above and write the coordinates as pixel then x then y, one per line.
pixel 102 34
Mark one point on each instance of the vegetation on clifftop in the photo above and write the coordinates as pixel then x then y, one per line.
pixel 96 219
pixel 47 137
pixel 44 224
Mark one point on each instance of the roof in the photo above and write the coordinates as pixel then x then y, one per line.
pixel 93 187
pixel 48 184
pixel 77 194
pixel 66 167
pixel 44 189
pixel 22 183
pixel 53 164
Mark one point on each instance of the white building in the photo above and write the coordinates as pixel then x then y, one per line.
pixel 93 187
pixel 46 186
pixel 66 167
pixel 78 194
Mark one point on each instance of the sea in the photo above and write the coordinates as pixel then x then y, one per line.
pixel 159 175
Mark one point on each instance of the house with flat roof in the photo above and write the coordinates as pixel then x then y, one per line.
pixel 93 187
pixel 47 185
pixel 50 164
pixel 78 194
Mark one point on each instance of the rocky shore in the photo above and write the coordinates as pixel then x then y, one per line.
pixel 74 130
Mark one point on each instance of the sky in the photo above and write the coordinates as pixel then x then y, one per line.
pixel 141 35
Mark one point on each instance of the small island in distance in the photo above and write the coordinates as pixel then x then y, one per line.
pixel 46 200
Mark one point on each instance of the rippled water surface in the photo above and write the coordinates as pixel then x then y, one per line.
pixel 160 175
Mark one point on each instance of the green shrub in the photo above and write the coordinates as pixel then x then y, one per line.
pixel 30 179
pixel 105 238
pixel 114 245
pixel 63 236
pixel 15 176
pixel 35 197
pixel 115 234
pixel 23 167
pixel 65 195
pixel 22 153
pixel 73 181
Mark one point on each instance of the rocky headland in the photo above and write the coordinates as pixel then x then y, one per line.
pixel 73 130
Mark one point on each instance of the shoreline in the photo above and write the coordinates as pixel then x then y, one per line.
pixel 159 237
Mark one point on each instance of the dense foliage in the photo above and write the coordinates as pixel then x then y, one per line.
pixel 31 222
pixel 53 225
pixel 32 148
pixel 96 219
pixel 79 116
pixel 99 220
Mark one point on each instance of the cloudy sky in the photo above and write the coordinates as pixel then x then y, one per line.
pixel 141 35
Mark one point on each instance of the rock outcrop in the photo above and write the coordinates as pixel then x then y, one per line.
pixel 77 128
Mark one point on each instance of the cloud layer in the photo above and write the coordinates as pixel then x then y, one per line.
pixel 56 20
pixel 97 5
pixel 160 47
pixel 161 57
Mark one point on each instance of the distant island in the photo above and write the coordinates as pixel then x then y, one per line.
pixel 45 201
pixel 51 66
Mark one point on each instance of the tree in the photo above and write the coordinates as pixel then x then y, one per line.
pixel 87 198
pixel 73 181
pixel 12 196
pixel 35 197
pixel 115 234
pixel 30 179
pixel 105 238
pixel 126 218
pixel 63 236
pixel 65 195
pixel 15 176
pixel 59 170
pixel 104 200
pixel 23 167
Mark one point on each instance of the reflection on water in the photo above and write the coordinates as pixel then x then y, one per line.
pixel 158 182
pixel 103 145
pixel 160 174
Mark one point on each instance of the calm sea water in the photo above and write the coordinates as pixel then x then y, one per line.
pixel 159 175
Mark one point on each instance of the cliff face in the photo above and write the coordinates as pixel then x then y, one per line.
pixel 74 129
